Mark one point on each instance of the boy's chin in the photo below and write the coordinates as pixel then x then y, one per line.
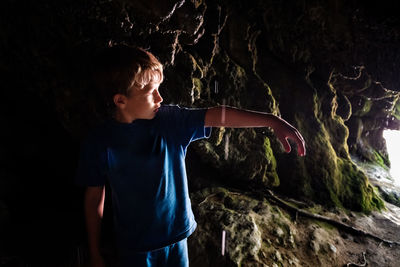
pixel 149 116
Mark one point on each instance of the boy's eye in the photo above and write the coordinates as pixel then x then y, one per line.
pixel 150 92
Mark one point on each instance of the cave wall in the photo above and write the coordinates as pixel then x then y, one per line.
pixel 328 67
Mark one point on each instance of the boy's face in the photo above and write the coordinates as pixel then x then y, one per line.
pixel 139 104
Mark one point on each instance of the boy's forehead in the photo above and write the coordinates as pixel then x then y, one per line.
pixel 147 87
pixel 151 85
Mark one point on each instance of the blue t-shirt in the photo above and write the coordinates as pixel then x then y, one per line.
pixel 144 162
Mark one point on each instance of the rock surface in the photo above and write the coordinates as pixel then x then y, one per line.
pixel 259 233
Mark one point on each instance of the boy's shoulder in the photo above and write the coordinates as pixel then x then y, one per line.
pixel 177 109
pixel 178 114
pixel 169 108
pixel 168 111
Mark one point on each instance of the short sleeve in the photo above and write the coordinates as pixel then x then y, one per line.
pixel 92 164
pixel 187 123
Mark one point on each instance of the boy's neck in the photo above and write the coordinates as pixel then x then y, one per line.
pixel 122 118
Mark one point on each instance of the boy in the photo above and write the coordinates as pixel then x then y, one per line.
pixel 141 152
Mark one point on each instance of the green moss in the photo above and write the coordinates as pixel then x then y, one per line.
pixel 208 149
pixel 338 135
pixel 197 70
pixel 197 88
pixel 366 107
pixel 325 167
pixel 239 72
pixel 270 172
pixel 379 159
pixel 356 192
pixel 221 134
pixel 269 153
pixel 329 176
pixel 347 186
pixel 273 106
pixel 373 156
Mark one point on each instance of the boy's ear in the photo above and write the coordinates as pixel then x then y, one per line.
pixel 119 99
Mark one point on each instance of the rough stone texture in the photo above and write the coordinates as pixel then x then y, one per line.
pixel 328 67
pixel 254 231
pixel 259 233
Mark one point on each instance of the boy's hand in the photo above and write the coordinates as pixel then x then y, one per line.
pixel 284 131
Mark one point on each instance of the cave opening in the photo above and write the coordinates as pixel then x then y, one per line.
pixel 392 138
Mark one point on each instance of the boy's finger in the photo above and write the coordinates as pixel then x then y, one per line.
pixel 299 136
pixel 285 144
pixel 301 149
pixel 300 144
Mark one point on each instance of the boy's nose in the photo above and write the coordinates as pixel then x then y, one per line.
pixel 159 99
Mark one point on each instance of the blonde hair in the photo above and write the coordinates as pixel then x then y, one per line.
pixel 144 75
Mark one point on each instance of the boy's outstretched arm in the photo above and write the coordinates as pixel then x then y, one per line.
pixel 224 116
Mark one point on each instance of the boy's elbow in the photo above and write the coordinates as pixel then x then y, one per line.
pixel 94 199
